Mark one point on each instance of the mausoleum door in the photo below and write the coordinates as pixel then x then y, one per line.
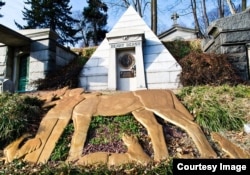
pixel 126 70
pixel 23 72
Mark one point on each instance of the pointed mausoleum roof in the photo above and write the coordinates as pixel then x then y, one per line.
pixel 131 57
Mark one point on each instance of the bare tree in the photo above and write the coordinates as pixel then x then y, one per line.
pixel 154 16
pixel 203 11
pixel 244 4
pixel 220 8
pixel 231 6
pixel 205 17
pixel 139 5
pixel 83 27
pixel 196 22
pixel 1 4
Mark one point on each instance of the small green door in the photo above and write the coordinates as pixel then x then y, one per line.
pixel 23 73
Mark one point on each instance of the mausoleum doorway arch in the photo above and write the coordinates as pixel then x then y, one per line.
pixel 126 69
pixel 23 72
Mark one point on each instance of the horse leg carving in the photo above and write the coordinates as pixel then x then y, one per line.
pixel 51 142
pixel 81 126
pixel 44 131
pixel 82 115
pixel 11 151
pixel 53 124
pixel 134 154
pixel 147 119
pixel 175 117
pixel 228 147
pixel 48 135
pixel 97 158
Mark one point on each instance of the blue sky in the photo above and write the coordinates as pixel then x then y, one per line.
pixel 12 10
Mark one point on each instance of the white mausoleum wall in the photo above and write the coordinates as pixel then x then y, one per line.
pixel 3 55
pixel 46 55
pixel 94 75
pixel 63 56
pixel 161 69
pixel 178 34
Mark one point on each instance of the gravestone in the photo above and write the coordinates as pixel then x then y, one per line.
pixel 131 57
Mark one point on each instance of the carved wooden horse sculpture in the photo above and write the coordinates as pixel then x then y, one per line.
pixel 143 105
pixel 81 107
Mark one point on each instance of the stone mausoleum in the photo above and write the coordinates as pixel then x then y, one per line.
pixel 231 36
pixel 131 57
pixel 177 32
pixel 27 55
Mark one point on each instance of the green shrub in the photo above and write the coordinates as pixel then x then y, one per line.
pixel 217 107
pixel 179 49
pixel 89 51
pixel 18 114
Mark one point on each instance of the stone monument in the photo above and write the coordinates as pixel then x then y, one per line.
pixel 231 36
pixel 28 55
pixel 131 57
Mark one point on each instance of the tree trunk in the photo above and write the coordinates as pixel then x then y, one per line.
pixel 221 8
pixel 137 5
pixel 205 13
pixel 231 6
pixel 244 4
pixel 94 36
pixel 127 4
pixel 154 16
pixel 197 26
